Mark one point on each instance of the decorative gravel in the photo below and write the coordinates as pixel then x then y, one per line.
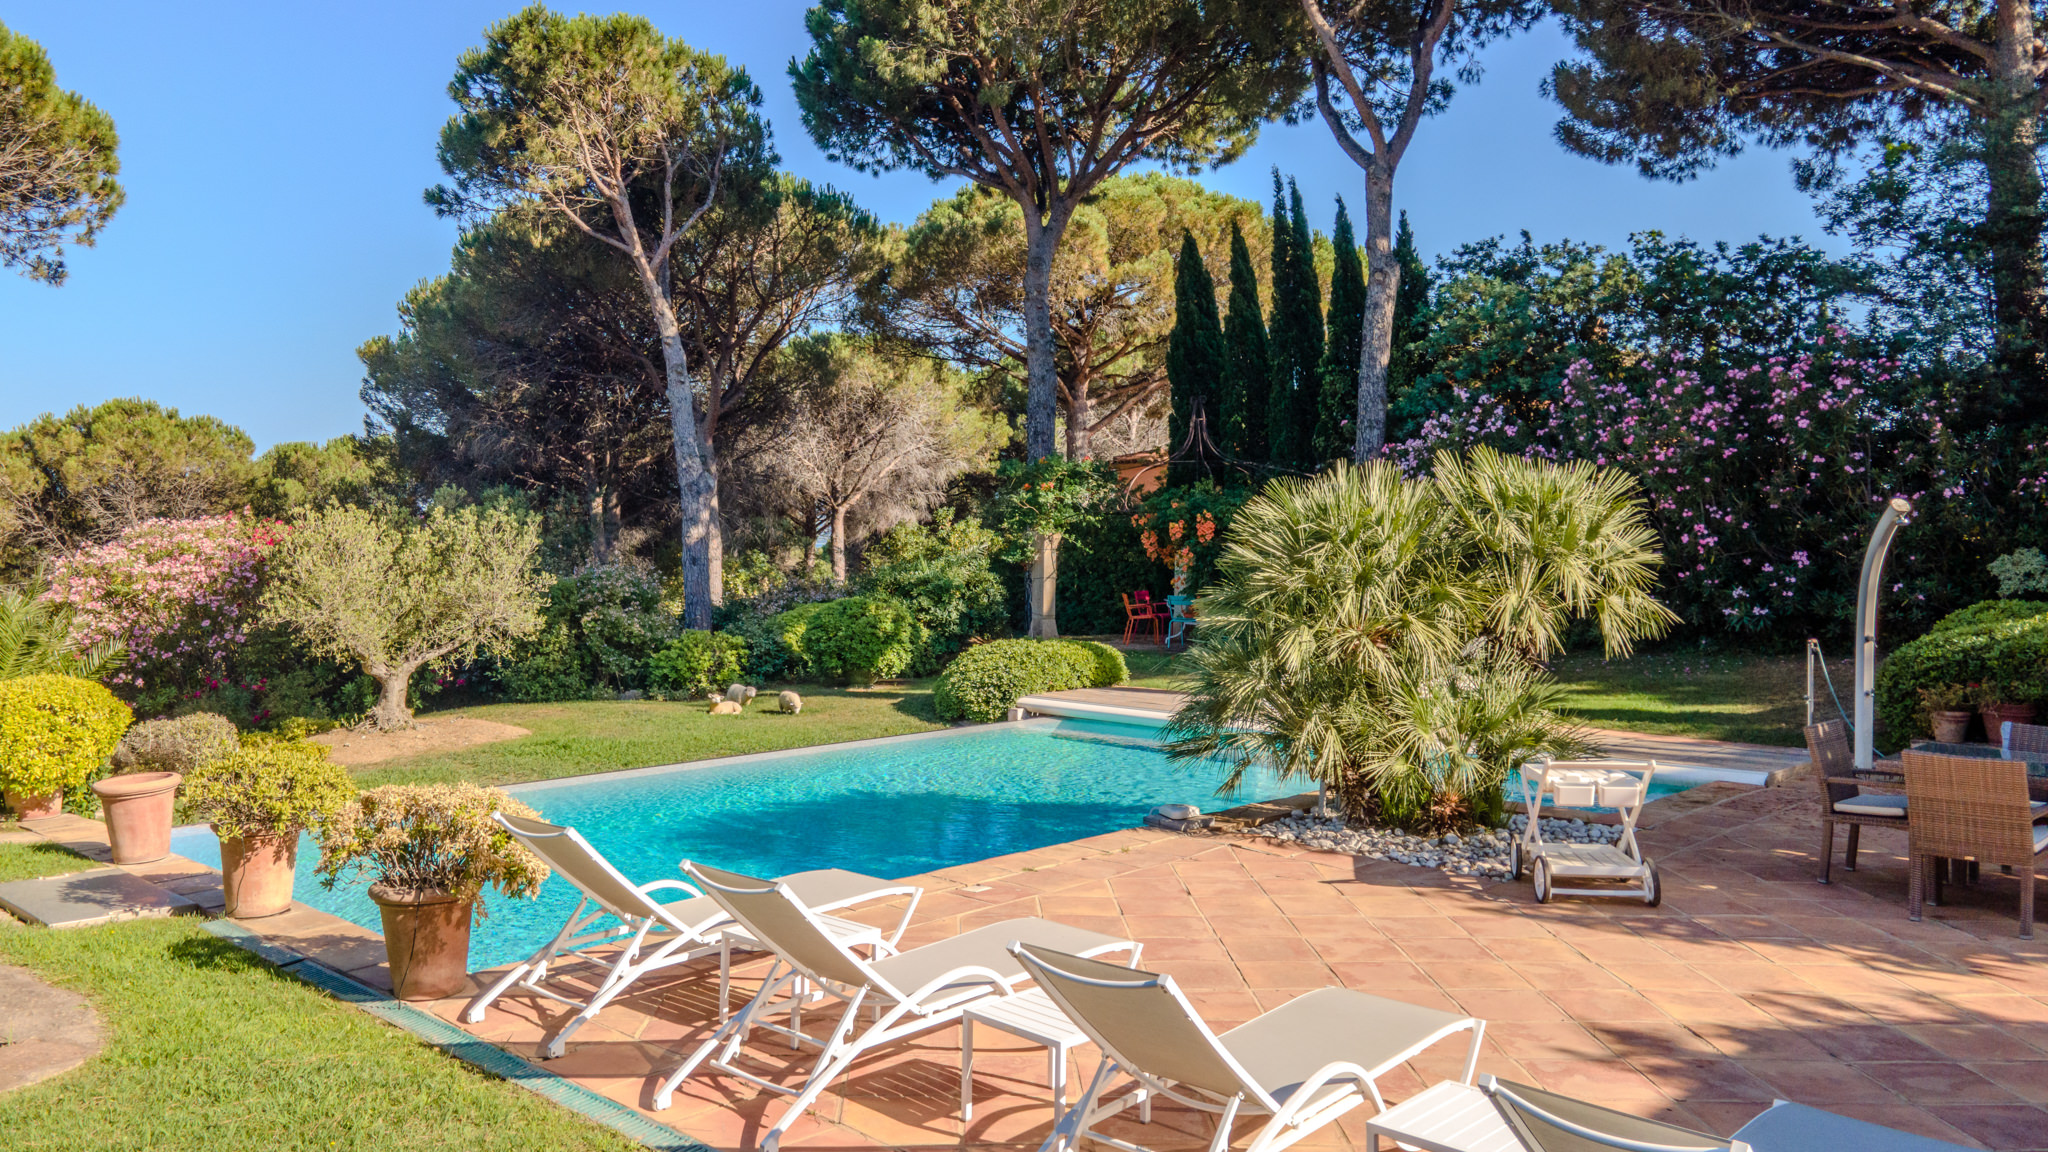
pixel 1480 854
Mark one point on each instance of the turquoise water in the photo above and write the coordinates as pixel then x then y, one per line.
pixel 894 809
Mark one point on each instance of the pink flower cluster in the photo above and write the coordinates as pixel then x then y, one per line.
pixel 181 593
pixel 1759 478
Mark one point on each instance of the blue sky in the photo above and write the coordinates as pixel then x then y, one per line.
pixel 274 156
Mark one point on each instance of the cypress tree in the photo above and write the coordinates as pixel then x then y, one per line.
pixel 1247 371
pixel 1280 342
pixel 1411 324
pixel 1194 354
pixel 1306 326
pixel 1339 400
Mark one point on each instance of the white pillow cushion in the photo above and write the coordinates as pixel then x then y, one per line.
pixel 2040 840
pixel 1867 804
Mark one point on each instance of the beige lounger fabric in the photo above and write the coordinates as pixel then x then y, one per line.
pixel 1304 1035
pixel 1542 1136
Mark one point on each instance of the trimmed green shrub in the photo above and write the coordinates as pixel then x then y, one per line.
pixel 182 744
pixel 1109 663
pixel 2006 652
pixel 987 679
pixel 268 787
pixel 1990 612
pixel 55 731
pixel 695 663
pixel 862 639
pixel 775 644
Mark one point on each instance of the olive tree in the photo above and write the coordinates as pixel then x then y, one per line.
pixel 632 138
pixel 395 593
pixel 57 164
pixel 1041 101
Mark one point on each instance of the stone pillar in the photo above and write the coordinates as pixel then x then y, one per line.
pixel 1044 584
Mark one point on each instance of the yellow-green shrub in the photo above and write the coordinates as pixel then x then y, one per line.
pixel 54 731
pixel 989 678
pixel 268 787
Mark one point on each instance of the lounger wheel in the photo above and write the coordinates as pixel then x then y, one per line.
pixel 1541 874
pixel 1514 860
pixel 1653 888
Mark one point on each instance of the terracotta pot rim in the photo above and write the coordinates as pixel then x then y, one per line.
pixel 393 895
pixel 136 784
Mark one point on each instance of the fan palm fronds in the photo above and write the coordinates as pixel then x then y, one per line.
pixel 36 637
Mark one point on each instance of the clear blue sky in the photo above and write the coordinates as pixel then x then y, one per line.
pixel 274 156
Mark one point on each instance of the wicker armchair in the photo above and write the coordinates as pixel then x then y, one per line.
pixel 1847 798
pixel 2027 741
pixel 1965 807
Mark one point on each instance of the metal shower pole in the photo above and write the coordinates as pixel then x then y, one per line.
pixel 1866 626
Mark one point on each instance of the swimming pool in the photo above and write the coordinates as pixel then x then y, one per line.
pixel 889 808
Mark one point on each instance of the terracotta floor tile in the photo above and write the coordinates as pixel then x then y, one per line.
pixel 2026 1079
pixel 1973 1042
pixel 1285 974
pixel 1690 1078
pixel 1667 977
pixel 1927 1083
pixel 1612 1082
pixel 1243 948
pixel 1649 1038
pixel 1562 1040
pixel 1817 1082
pixel 1204 975
pixel 2010 1128
pixel 1503 1005
pixel 1605 1004
pixel 1868 1042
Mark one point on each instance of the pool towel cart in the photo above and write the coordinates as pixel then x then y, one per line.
pixel 1623 785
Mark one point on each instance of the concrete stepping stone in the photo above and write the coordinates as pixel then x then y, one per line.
pixel 95 897
pixel 45 1031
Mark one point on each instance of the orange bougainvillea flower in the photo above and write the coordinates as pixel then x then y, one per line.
pixel 1175 530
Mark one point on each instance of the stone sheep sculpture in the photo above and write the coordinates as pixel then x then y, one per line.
pixel 792 704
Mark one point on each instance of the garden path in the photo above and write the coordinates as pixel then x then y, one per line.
pixel 44 1030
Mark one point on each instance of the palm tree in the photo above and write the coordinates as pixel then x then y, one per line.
pixel 36 637
pixel 1383 636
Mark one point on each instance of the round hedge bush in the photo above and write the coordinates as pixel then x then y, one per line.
pixel 1990 612
pixel 269 787
pixel 988 679
pixel 862 639
pixel 2011 653
pixel 55 731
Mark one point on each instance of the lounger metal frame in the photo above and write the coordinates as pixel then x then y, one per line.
pixel 838 974
pixel 647 937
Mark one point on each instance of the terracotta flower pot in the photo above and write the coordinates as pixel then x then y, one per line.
pixel 1997 715
pixel 35 807
pixel 1951 727
pixel 426 939
pixel 138 806
pixel 256 874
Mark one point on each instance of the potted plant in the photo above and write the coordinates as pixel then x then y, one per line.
pixel 431 849
pixel 55 731
pixel 2007 701
pixel 258 799
pixel 1948 712
pixel 149 763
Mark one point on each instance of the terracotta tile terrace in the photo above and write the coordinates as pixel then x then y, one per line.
pixel 1750 983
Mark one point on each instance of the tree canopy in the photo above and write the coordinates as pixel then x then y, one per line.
pixel 57 164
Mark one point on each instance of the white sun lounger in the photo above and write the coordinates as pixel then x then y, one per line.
pixel 1499 1116
pixel 912 991
pixel 1303 1064
pixel 649 934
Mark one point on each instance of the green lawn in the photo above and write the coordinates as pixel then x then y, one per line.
pixel 583 736
pixel 1678 691
pixel 33 861
pixel 212 1049
pixel 1684 692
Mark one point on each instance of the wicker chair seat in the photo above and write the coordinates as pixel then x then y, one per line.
pixel 1866 804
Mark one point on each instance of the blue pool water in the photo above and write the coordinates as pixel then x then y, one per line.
pixel 1661 785
pixel 890 809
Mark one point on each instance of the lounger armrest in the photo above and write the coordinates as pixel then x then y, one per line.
pixel 915 892
pixel 660 885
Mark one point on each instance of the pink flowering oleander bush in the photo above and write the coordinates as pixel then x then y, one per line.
pixel 1762 479
pixel 179 593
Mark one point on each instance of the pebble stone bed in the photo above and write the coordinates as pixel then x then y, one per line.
pixel 1480 854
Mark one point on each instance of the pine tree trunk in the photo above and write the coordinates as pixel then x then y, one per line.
pixel 600 539
pixel 2012 214
pixel 1382 282
pixel 1080 415
pixel 1041 401
pixel 696 484
pixel 839 544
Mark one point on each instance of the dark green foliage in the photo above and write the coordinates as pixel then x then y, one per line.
pixel 598 629
pixel 271 679
pixel 695 663
pixel 1990 612
pixel 1247 361
pixel 1411 323
pixel 861 639
pixel 988 678
pixel 1305 330
pixel 58 186
pixel 944 574
pixel 1096 564
pixel 1338 403
pixel 775 644
pixel 1109 663
pixel 2007 652
pixel 1194 355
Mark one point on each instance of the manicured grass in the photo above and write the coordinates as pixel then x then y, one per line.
pixel 584 736
pixel 1686 692
pixel 213 1049
pixel 33 861
pixel 1155 669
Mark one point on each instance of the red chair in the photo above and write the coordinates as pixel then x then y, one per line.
pixel 1140 610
